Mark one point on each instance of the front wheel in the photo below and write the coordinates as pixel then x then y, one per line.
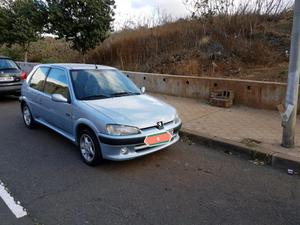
pixel 89 148
pixel 27 116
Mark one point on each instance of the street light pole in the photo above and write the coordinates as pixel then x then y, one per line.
pixel 291 101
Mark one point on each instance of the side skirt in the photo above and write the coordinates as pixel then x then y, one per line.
pixel 71 138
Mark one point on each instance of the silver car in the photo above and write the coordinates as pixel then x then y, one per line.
pixel 99 109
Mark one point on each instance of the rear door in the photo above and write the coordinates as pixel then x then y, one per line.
pixel 57 114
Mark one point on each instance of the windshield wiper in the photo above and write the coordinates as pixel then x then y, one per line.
pixel 128 93
pixel 93 97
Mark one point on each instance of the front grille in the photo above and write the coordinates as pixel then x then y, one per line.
pixel 155 127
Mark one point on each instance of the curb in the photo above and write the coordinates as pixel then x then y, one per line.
pixel 270 157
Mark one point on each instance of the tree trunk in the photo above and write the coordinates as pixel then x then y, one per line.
pixel 26 49
pixel 83 57
pixel 26 56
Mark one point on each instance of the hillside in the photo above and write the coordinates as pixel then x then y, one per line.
pixel 242 46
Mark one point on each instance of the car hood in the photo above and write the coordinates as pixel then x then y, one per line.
pixel 139 110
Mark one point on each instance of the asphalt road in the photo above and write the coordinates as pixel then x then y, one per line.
pixel 183 185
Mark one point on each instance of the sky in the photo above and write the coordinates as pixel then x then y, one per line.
pixel 140 12
pixel 143 11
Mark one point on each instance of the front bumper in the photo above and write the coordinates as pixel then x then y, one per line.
pixel 111 145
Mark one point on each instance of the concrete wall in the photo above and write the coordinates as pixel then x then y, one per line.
pixel 256 94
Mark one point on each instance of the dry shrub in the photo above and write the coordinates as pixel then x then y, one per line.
pixel 221 46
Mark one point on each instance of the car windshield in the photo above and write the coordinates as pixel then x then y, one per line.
pixel 8 64
pixel 97 84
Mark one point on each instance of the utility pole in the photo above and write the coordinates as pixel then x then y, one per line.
pixel 291 101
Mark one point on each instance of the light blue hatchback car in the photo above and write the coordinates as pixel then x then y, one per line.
pixel 99 109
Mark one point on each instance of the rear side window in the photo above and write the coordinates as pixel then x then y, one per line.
pixel 38 79
pixel 57 83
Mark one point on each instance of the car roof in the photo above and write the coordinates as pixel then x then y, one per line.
pixel 77 66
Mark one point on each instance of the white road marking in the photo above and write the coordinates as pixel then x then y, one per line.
pixel 16 208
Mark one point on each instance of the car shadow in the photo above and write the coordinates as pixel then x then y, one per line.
pixel 8 98
pixel 152 159
pixel 66 154
pixel 106 165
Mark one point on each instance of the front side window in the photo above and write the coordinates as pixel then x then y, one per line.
pixel 96 84
pixel 38 79
pixel 57 83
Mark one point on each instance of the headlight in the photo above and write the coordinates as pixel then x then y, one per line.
pixel 120 130
pixel 177 119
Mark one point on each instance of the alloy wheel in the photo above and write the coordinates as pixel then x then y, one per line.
pixel 87 147
pixel 27 115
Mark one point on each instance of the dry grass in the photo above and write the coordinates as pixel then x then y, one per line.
pixel 223 46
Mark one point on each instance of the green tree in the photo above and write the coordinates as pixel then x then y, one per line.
pixel 3 23
pixel 22 22
pixel 85 23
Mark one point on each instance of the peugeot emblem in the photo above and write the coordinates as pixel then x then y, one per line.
pixel 160 125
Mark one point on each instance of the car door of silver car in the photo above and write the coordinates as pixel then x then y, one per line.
pixel 35 90
pixel 58 113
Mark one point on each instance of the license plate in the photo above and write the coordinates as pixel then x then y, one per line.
pixel 6 79
pixel 158 139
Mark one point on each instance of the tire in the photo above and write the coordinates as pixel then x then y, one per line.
pixel 89 147
pixel 27 116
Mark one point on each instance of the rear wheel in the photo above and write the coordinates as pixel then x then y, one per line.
pixel 89 147
pixel 27 116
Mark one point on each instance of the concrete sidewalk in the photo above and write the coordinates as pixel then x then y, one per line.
pixel 252 129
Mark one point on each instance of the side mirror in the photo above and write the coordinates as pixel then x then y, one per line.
pixel 143 90
pixel 59 98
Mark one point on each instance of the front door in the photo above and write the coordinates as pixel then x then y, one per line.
pixel 57 114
